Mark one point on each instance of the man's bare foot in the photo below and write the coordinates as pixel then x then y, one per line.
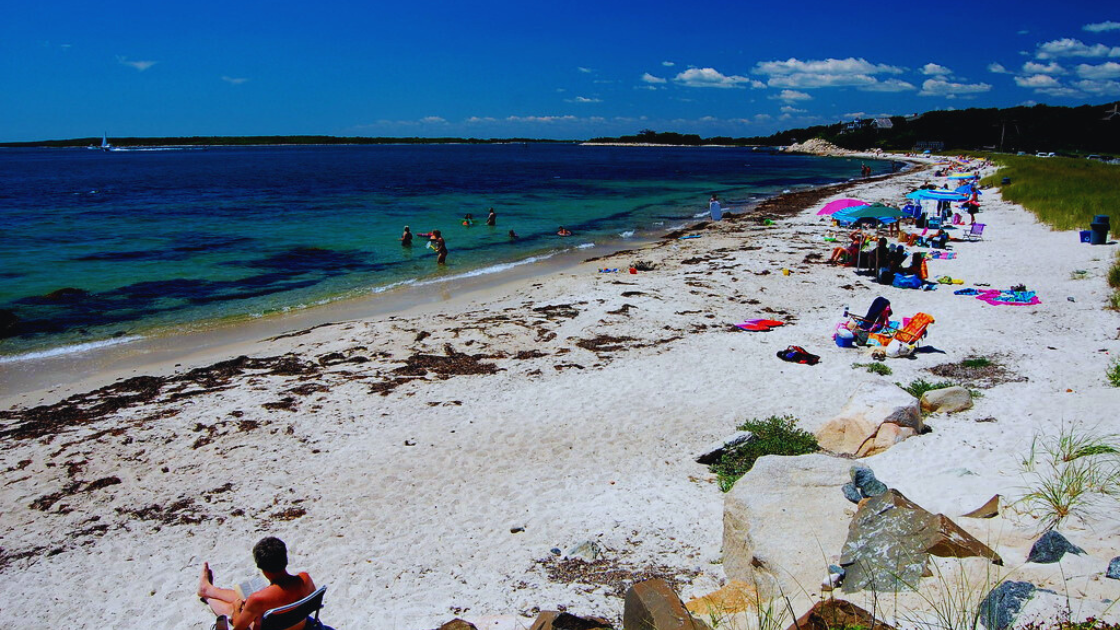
pixel 205 581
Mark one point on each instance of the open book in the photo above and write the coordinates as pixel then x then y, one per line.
pixel 250 586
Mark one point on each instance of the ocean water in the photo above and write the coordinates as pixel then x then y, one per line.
pixel 102 247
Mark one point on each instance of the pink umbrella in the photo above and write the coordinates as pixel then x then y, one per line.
pixel 835 206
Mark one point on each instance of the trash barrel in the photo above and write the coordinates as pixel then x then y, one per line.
pixel 1099 230
pixel 1005 181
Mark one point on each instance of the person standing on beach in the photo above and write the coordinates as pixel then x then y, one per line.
pixel 440 247
pixel 714 208
pixel 406 238
pixel 492 218
pixel 271 557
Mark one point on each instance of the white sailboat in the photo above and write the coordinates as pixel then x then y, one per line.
pixel 105 146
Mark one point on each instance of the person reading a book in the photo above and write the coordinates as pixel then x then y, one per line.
pixel 245 609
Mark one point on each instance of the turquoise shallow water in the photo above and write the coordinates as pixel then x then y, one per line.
pixel 101 246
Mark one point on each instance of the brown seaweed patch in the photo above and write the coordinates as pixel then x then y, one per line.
pixel 288 514
pixel 605 343
pixel 180 512
pixel 558 311
pixel 611 574
pixel 454 363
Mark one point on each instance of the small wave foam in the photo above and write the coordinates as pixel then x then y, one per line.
pixel 486 270
pixel 67 350
pixel 585 245
pixel 626 234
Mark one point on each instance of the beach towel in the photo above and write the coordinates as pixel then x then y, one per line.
pixel 995 297
pixel 797 354
pixel 759 325
pixel 968 291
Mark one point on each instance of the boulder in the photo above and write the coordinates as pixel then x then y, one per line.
pixel 887 436
pixel 873 404
pixel 1113 569
pixel 458 624
pixel 653 605
pixel 553 620
pixel 588 551
pixel 714 452
pixel 831 614
pixel 889 541
pixel 736 597
pixel 783 518
pixel 1002 605
pixel 947 400
pixel 1051 547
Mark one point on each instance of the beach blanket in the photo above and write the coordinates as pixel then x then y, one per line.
pixel 759 325
pixel 941 255
pixel 995 297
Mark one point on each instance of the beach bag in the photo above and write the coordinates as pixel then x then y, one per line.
pixel 904 281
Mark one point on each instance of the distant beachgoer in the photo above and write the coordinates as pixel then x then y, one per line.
pixel 468 220
pixel 406 238
pixel 563 231
pixel 512 234
pixel 714 208
pixel 492 218
pixel 440 247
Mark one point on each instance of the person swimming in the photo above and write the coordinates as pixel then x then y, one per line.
pixel 406 238
pixel 563 231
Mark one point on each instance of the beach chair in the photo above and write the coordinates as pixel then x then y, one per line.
pixel 911 332
pixel 975 232
pixel 285 617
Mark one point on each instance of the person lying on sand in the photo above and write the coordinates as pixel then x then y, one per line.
pixel 271 556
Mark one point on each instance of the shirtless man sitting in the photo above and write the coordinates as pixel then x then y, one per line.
pixel 271 556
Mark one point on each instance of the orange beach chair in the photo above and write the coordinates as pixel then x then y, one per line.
pixel 910 334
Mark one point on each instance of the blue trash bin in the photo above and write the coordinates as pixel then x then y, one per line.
pixel 1098 233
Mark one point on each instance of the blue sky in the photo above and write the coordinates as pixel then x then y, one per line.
pixel 573 69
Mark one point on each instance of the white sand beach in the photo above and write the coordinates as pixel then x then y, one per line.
pixel 557 410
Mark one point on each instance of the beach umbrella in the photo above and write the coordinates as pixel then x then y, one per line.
pixel 834 206
pixel 962 176
pixel 937 195
pixel 878 211
pixel 967 189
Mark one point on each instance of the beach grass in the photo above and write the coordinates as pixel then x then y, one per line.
pixel 919 386
pixel 1069 474
pixel 1064 193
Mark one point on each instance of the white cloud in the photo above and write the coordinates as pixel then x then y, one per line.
pixel 998 68
pixel 583 99
pixel 1069 47
pixel 1107 70
pixel 542 119
pixel 711 78
pixel 933 69
pixel 1051 68
pixel 1099 88
pixel 585 70
pixel 438 120
pixel 139 65
pixel 668 64
pixel 1037 81
pixel 234 80
pixel 1100 27
pixel 1022 32
pixel 850 72
pixel 890 85
pixel 948 89
pixel 649 78
pixel 791 96
pixel 790 109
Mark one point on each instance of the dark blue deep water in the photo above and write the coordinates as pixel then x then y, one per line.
pixel 96 246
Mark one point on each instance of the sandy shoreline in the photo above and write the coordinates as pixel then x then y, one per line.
pixel 424 465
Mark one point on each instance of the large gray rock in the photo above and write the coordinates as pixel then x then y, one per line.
pixel 1000 608
pixel 783 519
pixel 1051 547
pixel 1113 571
pixel 890 539
pixel 874 403
pixel 947 400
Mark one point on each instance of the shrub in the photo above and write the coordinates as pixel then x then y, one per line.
pixel 1113 373
pixel 874 367
pixel 776 435
pixel 977 362
pixel 919 386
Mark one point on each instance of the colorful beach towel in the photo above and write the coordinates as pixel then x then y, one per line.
pixel 995 297
pixel 759 325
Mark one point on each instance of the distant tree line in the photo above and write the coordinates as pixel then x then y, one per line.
pixel 1071 130
pixel 1084 129
pixel 209 141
